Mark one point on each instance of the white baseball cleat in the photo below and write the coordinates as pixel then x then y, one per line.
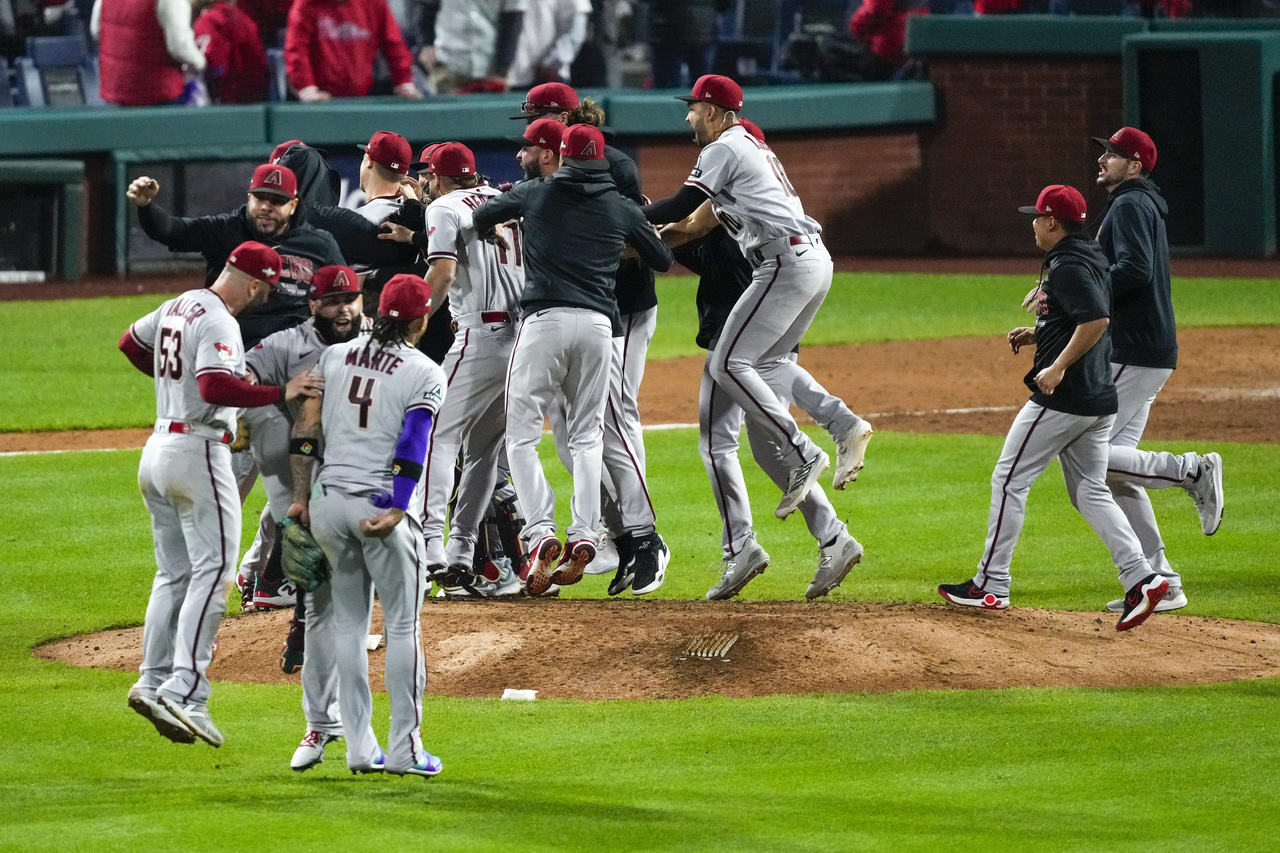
pixel 311 751
pixel 194 717
pixel 166 724
pixel 851 451
pixel 739 570
pixel 606 561
pixel 800 481
pixel 1206 491
pixel 834 563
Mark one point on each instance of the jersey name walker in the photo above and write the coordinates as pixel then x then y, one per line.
pixel 190 336
pixel 368 389
pixel 489 278
pixel 749 190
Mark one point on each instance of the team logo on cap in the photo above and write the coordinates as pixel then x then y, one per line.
pixel 589 150
pixel 273 177
pixel 341 280
pixel 267 272
pixel 225 352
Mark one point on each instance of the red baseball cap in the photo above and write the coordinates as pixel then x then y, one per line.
pixel 334 279
pixel 389 150
pixel 584 145
pixel 752 128
pixel 424 158
pixel 548 98
pixel 545 133
pixel 274 179
pixel 281 148
pixel 452 160
pixel 717 90
pixel 255 259
pixel 405 297
pixel 1060 202
pixel 1131 143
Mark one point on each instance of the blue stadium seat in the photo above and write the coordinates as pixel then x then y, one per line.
pixel 58 71
pixel 277 80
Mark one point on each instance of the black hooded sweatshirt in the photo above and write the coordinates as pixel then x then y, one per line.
pixel 1136 243
pixel 575 226
pixel 1078 292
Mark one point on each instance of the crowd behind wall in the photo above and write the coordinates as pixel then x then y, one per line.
pixel 201 51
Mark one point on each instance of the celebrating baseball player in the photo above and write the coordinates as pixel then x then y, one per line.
pixel 627 509
pixel 272 215
pixel 374 427
pixel 724 275
pixel 575 226
pixel 1069 417
pixel 752 198
pixel 192 346
pixel 483 282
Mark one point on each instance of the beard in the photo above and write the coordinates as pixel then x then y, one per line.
pixel 532 171
pixel 326 330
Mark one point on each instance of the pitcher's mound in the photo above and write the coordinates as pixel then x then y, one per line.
pixel 590 649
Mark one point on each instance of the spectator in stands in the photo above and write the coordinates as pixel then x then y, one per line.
pixel 330 47
pixel 882 26
pixel 270 16
pixel 236 65
pixel 147 50
pixel 680 33
pixel 553 33
pixel 468 45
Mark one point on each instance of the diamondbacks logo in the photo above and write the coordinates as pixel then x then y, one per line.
pixel 589 150
pixel 225 352
pixel 342 281
pixel 273 179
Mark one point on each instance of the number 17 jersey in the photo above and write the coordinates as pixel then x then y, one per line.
pixel 368 389
pixel 749 190
pixel 489 277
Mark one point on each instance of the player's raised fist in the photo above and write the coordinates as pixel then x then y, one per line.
pixel 142 191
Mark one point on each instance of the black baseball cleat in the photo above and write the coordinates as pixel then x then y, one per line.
pixel 1141 600
pixel 650 564
pixel 970 595
pixel 626 572
pixel 460 581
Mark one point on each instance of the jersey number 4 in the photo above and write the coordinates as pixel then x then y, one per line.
pixel 361 394
pixel 170 354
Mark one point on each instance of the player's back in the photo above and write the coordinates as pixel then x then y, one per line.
pixel 368 389
pixel 488 277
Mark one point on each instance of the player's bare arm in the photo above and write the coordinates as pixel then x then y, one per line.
pixel 305 384
pixel 303 446
pixel 1021 337
pixel 142 191
pixel 1082 340
pixel 441 275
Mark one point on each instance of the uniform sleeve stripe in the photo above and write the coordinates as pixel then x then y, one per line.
pixel 692 183
pixel 428 406
pixel 139 341
pixel 453 255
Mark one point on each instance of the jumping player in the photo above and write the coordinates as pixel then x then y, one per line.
pixel 374 427
pixel 754 201
pixel 1069 416
pixel 192 346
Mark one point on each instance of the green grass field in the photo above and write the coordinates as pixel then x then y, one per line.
pixel 1059 769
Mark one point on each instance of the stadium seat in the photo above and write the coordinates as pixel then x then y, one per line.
pixel 58 71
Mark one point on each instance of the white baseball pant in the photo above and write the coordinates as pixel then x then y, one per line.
pixel 1079 442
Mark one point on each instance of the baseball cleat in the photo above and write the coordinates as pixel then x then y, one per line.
pixel 194 717
pixel 1174 599
pixel 971 595
pixel 311 751
pixel 428 767
pixel 274 595
pixel 739 569
pixel 1206 491
pixel 166 724
pixel 834 562
pixel 607 558
pixel 1141 600
pixel 542 561
pixel 245 582
pixel 378 764
pixel 507 584
pixel 294 651
pixel 800 481
pixel 460 581
pixel 650 565
pixel 577 555
pixel 851 452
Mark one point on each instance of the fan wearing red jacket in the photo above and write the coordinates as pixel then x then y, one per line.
pixel 330 47
pixel 236 65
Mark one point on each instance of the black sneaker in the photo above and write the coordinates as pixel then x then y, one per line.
pixel 650 565
pixel 971 595
pixel 625 575
pixel 291 657
pixel 459 581
pixel 1141 600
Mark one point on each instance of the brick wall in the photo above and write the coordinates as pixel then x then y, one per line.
pixel 1008 126
pixel 867 189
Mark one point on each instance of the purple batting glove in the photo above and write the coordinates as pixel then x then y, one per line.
pixel 382 500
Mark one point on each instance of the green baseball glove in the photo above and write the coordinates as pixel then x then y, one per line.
pixel 303 561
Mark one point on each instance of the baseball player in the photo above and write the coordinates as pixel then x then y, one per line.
pixel 575 226
pixel 336 306
pixel 627 508
pixel 1069 417
pixel 385 164
pixel 374 426
pixel 272 215
pixel 724 275
pixel 1144 352
pixel 192 346
pixel 752 198
pixel 483 282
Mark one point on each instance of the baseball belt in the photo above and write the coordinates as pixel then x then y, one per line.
pixel 483 318
pixel 199 430
pixel 782 245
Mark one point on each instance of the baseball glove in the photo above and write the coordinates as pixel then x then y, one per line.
pixel 241 444
pixel 301 558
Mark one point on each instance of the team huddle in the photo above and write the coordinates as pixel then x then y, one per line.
pixel 414 474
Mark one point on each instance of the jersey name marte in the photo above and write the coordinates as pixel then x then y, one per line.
pixel 749 190
pixel 489 277
pixel 190 336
